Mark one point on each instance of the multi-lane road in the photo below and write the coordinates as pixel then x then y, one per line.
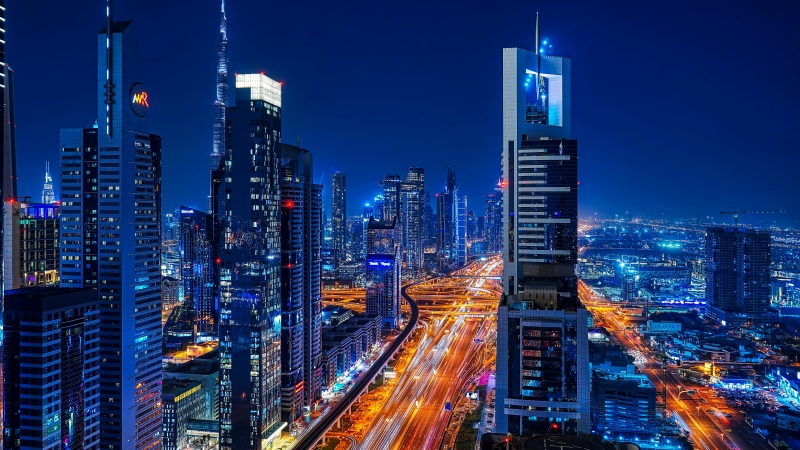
pixel 705 416
pixel 457 321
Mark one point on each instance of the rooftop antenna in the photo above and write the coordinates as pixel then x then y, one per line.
pixel 538 56
pixel 298 141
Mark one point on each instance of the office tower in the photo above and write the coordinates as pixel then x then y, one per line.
pixel 249 271
pixel 738 281
pixel 301 295
pixel 542 345
pixel 472 226
pixel 339 216
pixel 430 223
pixel 446 223
pixel 198 254
pixel 461 230
pixel 623 404
pixel 221 102
pixel 51 367
pixel 32 245
pixel 377 208
pixel 411 223
pixel 366 214
pixel 382 268
pixel 391 197
pixel 494 220
pixel 48 194
pixel 8 161
pixel 171 296
pixel 110 239
pixel 182 400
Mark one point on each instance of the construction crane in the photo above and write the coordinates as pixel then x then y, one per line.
pixel 736 213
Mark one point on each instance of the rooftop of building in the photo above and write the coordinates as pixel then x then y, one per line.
pixel 375 224
pixel 640 379
pixel 47 298
pixel 177 386
pixel 206 364
pixel 560 441
pixel 335 309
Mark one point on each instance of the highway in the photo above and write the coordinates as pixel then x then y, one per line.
pixel 703 414
pixel 315 433
pixel 443 365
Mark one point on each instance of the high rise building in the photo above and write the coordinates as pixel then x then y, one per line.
pixel 494 220
pixel 411 219
pixel 31 256
pixel 542 345
pixel 624 404
pixel 8 161
pixel 48 194
pixel 51 366
pixel 221 102
pixel 461 230
pixel 366 214
pixel 249 270
pixel 182 400
pixel 382 268
pixel 198 254
pixel 430 223
pixel 110 239
pixel 339 216
pixel 738 284
pixel 301 294
pixel 446 226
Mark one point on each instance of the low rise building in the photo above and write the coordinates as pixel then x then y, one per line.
pixel 623 404
pixel 181 400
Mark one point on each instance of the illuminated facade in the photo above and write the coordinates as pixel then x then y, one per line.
pixel 461 230
pixel 32 245
pixel 198 270
pixel 738 284
pixel 48 194
pixel 301 275
pixel 382 268
pixel 249 271
pixel 110 240
pixel 50 334
pixel 542 344
pixel 221 102
pixel 339 217
pixel 411 219
pixel 624 404
pixel 446 226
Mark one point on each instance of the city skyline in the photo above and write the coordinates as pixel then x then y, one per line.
pixel 684 135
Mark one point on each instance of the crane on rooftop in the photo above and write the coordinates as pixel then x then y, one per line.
pixel 736 213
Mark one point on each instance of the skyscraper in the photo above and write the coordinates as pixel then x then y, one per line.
pixel 460 220
pixel 221 102
pixel 110 238
pixel 446 231
pixel 339 216
pixel 542 346
pixel 8 161
pixel 51 368
pixel 411 218
pixel 301 295
pixel 383 271
pixel 249 271
pixel 48 194
pixel 198 252
pixel 738 284
pixel 31 256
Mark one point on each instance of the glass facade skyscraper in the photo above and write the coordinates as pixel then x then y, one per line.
pixel 51 368
pixel 198 270
pixel 339 216
pixel 301 294
pixel 542 342
pixel 382 268
pixel 411 218
pixel 249 271
pixel 110 240
pixel 738 284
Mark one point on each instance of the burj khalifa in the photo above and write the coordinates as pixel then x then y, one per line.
pixel 222 93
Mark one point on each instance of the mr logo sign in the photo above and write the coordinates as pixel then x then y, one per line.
pixel 140 103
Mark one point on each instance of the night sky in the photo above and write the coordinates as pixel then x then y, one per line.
pixel 681 108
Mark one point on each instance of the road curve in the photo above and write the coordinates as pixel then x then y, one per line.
pixel 315 433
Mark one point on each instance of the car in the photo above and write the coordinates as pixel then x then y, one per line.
pixel 702 400
pixel 710 411
pixel 728 415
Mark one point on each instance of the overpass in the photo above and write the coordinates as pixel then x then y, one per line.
pixel 316 432
pixel 485 277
